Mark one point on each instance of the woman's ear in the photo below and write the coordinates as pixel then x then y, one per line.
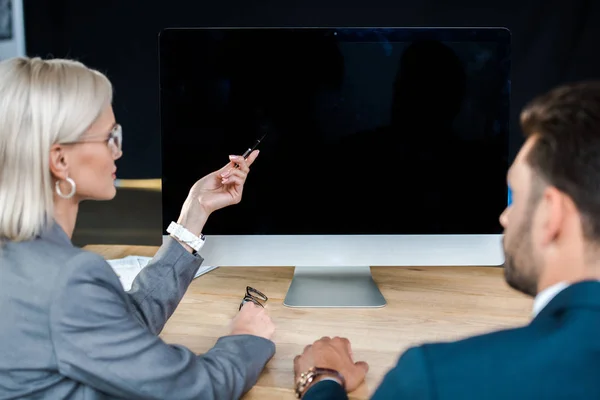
pixel 58 161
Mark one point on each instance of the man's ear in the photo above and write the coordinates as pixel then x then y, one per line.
pixel 552 212
pixel 58 162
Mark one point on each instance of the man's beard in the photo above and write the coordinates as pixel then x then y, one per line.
pixel 521 271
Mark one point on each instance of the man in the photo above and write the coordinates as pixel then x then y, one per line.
pixel 552 251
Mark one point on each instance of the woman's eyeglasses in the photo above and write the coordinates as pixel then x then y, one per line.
pixel 114 140
pixel 254 296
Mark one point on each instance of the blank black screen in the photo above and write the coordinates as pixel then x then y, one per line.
pixel 369 131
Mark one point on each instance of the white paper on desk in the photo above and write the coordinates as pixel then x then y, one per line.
pixel 128 267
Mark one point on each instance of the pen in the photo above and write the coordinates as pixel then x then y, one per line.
pixel 251 149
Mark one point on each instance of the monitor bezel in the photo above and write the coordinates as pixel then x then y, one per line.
pixel 502 35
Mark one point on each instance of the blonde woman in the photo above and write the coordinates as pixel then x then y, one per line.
pixel 67 328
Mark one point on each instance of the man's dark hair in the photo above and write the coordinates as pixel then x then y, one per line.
pixel 566 153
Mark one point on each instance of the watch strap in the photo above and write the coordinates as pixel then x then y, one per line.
pixel 185 236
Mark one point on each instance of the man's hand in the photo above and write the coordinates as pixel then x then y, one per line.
pixel 334 354
pixel 252 320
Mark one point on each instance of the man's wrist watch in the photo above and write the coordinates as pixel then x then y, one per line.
pixel 306 378
pixel 182 234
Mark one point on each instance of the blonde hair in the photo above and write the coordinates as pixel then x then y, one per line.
pixel 42 102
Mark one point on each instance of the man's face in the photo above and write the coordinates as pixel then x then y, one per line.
pixel 522 264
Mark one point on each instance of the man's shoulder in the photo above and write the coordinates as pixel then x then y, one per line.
pixel 480 366
pixel 491 350
pixel 481 345
pixel 426 369
pixel 465 353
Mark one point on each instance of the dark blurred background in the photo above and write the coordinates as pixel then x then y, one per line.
pixel 553 42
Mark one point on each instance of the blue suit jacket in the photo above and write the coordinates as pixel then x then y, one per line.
pixel 556 356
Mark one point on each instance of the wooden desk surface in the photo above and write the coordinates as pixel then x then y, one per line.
pixel 424 304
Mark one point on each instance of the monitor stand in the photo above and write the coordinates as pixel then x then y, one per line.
pixel 333 287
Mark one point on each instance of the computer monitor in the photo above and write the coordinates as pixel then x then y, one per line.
pixel 383 147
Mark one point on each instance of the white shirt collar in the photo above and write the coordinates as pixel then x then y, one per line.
pixel 545 296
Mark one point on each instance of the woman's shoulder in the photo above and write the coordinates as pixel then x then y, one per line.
pixel 53 259
pixel 33 273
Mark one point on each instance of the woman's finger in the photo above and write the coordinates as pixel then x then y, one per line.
pixel 233 180
pixel 252 157
pixel 230 165
pixel 234 172
pixel 240 162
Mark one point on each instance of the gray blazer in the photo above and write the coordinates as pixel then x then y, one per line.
pixel 68 330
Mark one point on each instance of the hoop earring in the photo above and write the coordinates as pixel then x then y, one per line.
pixel 60 193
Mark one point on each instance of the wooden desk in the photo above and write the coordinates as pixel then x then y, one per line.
pixel 424 304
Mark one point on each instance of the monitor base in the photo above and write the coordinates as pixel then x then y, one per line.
pixel 337 287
